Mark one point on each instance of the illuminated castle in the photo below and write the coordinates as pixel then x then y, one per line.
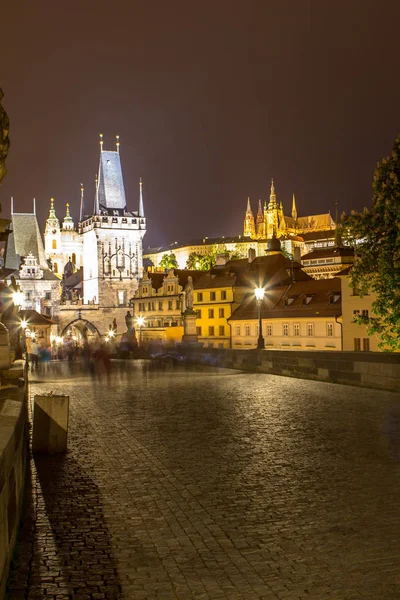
pixel 271 220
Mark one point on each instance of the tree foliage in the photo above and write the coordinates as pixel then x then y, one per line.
pixel 204 262
pixel 168 261
pixel 376 240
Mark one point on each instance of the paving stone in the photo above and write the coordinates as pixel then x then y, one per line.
pixel 210 484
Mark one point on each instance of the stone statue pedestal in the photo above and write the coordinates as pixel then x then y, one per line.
pixel 189 337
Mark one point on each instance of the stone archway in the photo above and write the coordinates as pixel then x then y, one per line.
pixel 83 326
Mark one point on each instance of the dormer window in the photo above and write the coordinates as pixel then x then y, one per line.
pixel 288 301
pixel 307 299
pixel 334 297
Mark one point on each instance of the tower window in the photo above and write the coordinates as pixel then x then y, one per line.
pixel 54 245
pixel 55 268
pixel 74 258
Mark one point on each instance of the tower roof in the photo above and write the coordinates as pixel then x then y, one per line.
pixel 110 189
pixel 25 238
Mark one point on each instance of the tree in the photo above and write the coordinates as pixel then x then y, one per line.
pixel 168 261
pixel 376 240
pixel 193 261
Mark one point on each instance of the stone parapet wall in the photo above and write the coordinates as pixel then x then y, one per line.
pixel 366 369
pixel 13 460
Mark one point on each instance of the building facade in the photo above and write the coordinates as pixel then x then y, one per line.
pixel 62 243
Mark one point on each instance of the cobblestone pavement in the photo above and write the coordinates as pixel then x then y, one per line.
pixel 213 484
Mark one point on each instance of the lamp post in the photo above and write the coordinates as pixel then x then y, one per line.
pixel 259 292
pixel 140 323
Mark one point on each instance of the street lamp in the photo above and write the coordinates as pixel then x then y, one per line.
pixel 140 323
pixel 259 292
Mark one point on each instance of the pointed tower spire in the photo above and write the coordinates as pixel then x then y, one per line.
pixel 81 209
pixel 249 228
pixel 101 142
pixel 12 205
pixel 52 223
pixel 96 190
pixel 141 207
pixel 68 223
pixel 294 209
pixel 117 142
pixel 272 196
pixel 34 206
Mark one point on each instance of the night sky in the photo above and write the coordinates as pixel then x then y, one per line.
pixel 210 98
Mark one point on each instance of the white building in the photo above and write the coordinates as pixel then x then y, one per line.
pixel 62 243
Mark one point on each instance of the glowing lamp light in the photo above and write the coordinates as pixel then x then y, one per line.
pixel 140 321
pixel 59 340
pixel 259 292
pixel 24 324
pixel 111 333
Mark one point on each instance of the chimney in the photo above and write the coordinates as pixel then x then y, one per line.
pixel 252 254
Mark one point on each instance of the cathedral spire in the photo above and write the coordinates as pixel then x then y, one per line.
pixel 141 207
pixel 12 205
pixel 34 206
pixel 117 142
pixel 82 208
pixel 101 142
pixel 272 196
pixel 249 228
pixel 294 209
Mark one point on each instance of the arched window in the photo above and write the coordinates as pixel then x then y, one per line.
pixel 54 245
pixel 55 268
pixel 74 258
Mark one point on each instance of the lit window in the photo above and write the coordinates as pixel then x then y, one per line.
pixel 54 245
pixel 285 329
pixel 366 347
pixel 310 329
pixel 121 297
pixel 237 329
pixel 247 330
pixel 269 329
pixel 296 329
pixel 329 329
pixel 357 344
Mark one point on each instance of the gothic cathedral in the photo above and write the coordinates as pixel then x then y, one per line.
pixel 271 222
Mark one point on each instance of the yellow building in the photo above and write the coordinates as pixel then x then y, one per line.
pixel 301 316
pixel 158 300
pixel 355 336
pixel 213 302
